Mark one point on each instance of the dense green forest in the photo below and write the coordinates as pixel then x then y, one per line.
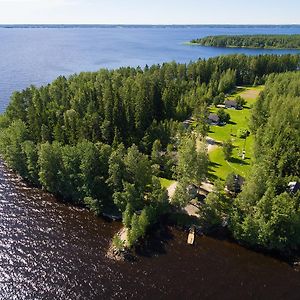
pixel 266 213
pixel 268 41
pixel 103 139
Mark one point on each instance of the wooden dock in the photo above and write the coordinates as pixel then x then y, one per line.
pixel 191 236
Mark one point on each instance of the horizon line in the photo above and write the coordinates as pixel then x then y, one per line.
pixel 150 24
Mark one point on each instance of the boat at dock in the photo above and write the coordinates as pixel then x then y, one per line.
pixel 191 236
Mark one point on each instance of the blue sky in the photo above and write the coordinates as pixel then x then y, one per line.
pixel 150 11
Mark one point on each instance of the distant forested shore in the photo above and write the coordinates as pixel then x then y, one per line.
pixel 259 41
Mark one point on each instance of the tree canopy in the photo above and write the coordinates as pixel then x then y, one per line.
pixel 265 213
pixel 100 139
pixel 269 41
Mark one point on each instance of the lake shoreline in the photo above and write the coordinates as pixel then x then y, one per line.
pixel 130 255
pixel 239 47
pixel 162 265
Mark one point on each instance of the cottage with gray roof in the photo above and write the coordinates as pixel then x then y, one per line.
pixel 213 119
pixel 231 104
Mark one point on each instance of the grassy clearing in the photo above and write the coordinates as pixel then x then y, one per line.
pixel 250 94
pixel 219 167
pixel 166 182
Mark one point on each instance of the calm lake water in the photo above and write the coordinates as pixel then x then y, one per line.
pixel 49 250
pixel 38 55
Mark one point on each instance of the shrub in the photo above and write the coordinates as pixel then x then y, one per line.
pixel 228 149
pixel 242 133
pixel 93 205
pixel 117 242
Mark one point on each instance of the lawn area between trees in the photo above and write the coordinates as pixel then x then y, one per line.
pixel 166 183
pixel 239 119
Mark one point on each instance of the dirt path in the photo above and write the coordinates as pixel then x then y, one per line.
pixel 211 144
pixel 123 234
pixel 250 93
pixel 171 190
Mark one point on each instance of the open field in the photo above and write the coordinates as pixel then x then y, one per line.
pixel 250 94
pixel 219 167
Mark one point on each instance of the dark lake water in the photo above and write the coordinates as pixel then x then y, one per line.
pixel 49 250
pixel 39 55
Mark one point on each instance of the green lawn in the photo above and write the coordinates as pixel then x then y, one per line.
pixel 166 182
pixel 219 167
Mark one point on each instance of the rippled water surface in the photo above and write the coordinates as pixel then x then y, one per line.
pixel 49 250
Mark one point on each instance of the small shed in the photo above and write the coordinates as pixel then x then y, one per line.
pixel 231 104
pixel 213 119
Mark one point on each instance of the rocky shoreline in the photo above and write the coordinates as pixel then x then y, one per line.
pixel 120 254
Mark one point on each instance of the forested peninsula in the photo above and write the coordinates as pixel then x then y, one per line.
pixel 261 41
pixel 106 139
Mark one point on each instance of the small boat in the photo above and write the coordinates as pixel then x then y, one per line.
pixel 191 236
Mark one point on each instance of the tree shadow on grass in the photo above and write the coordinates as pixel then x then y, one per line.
pixel 211 176
pixel 239 161
pixel 232 123
pixel 213 165
pixel 218 143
